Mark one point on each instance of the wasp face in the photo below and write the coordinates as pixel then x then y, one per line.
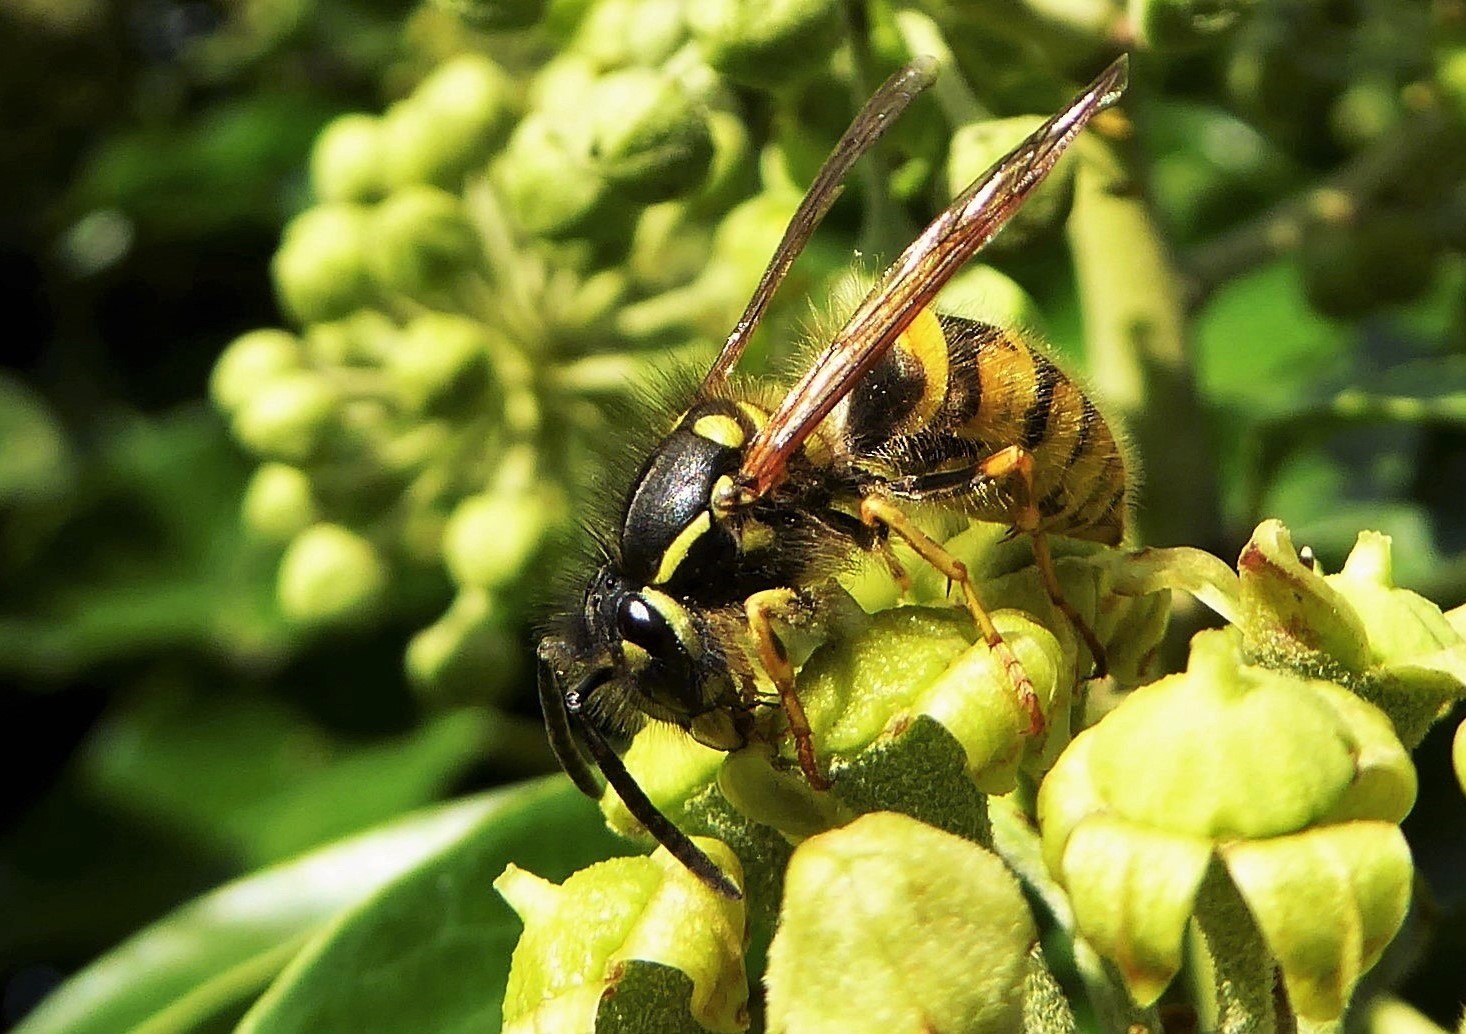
pixel 630 652
pixel 656 646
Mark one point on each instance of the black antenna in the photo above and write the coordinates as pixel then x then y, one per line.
pixel 567 717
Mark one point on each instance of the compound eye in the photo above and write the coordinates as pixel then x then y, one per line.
pixel 641 624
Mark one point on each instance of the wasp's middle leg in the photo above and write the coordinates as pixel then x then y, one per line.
pixel 874 509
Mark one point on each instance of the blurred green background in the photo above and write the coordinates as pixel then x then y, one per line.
pixel 319 311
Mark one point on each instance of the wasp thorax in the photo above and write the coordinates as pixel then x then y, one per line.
pixel 670 536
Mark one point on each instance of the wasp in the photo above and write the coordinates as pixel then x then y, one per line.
pixel 750 503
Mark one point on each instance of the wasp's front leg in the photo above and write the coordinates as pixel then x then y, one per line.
pixel 762 609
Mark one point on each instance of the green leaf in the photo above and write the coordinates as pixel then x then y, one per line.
pixel 921 771
pixel 258 781
pixel 398 929
pixel 1304 351
pixel 430 952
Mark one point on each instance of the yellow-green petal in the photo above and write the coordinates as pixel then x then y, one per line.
pixel 1327 901
pixel 1223 749
pixel 579 936
pixel 1134 890
pixel 1291 616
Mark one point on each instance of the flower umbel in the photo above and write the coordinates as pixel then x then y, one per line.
pixel 1260 772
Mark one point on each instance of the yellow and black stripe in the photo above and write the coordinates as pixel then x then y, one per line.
pixel 951 392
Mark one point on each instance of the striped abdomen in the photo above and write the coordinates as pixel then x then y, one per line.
pixel 953 392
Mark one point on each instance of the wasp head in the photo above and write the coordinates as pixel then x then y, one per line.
pixel 632 654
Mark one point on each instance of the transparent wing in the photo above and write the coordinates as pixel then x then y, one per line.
pixel 913 281
pixel 878 115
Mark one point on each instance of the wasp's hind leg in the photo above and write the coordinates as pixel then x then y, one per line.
pixel 1044 560
pixel 876 510
pixel 762 608
pixel 1015 464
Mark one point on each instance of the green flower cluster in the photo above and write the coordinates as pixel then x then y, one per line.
pixel 527 239
pixel 1249 793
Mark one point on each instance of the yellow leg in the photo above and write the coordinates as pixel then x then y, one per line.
pixel 893 565
pixel 1045 561
pixel 1016 464
pixel 761 608
pixel 875 510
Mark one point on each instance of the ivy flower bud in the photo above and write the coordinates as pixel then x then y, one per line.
pixel 974 149
pixel 857 694
pixel 545 178
pixel 889 926
pixel 289 417
pixel 768 45
pixel 1106 587
pixel 649 138
pixel 1199 765
pixel 364 338
pixel 467 655
pixel 452 122
pixel 331 576
pixel 1458 755
pixel 1450 75
pixel 1418 656
pixel 1392 646
pixel 730 176
pixel 745 236
pixel 619 33
pixel 422 243
pixel 251 361
pixel 632 943
pixel 346 159
pixel 990 296
pixel 492 537
pixel 1365 111
pixel 320 269
pixel 441 361
pixel 278 502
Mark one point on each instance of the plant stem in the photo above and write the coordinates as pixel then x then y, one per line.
pixel 1045 1008
pixel 1241 969
pixel 922 36
pixel 1135 333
